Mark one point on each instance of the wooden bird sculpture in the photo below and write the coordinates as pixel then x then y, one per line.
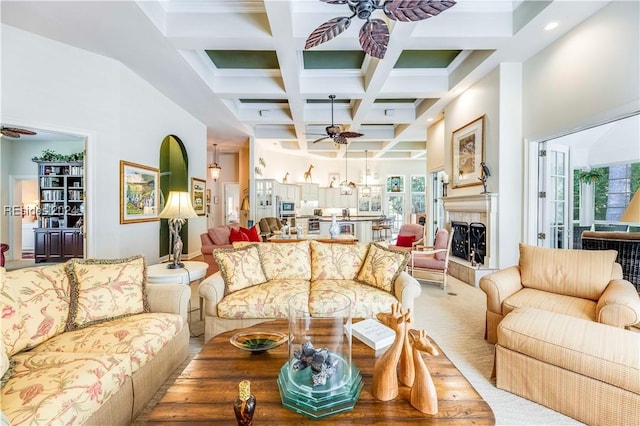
pixel 423 392
pixel 385 370
pixel 406 372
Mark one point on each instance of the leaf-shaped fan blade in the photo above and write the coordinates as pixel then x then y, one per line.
pixel 340 140
pixel 327 31
pixel 320 139
pixel 415 10
pixel 17 130
pixel 335 1
pixel 350 134
pixel 10 133
pixel 374 38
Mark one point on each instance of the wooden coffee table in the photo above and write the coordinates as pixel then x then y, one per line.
pixel 206 389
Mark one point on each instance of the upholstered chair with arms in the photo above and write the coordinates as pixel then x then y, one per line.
pixel 431 263
pixel 585 284
pixel 410 235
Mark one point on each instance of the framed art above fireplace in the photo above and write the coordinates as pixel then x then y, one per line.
pixel 468 152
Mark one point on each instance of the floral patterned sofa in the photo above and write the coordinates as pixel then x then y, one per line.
pixel 256 280
pixel 87 342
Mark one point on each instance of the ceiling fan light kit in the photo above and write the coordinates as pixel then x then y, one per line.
pixel 374 33
pixel 335 132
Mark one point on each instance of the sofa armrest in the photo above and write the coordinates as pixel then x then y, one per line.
pixel 500 285
pixel 212 291
pixel 169 298
pixel 406 289
pixel 207 249
pixel 619 304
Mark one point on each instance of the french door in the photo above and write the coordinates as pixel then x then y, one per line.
pixel 553 195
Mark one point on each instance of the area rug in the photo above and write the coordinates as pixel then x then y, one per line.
pixel 455 319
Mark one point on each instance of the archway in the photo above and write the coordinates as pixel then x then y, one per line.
pixel 174 176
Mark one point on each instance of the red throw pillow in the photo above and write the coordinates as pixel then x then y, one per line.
pixel 252 234
pixel 237 235
pixel 405 240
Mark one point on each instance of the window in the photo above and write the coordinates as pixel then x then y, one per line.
pixel 612 191
pixel 418 194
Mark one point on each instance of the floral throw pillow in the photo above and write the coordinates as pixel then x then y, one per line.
pixel 240 267
pixel 104 289
pixel 382 266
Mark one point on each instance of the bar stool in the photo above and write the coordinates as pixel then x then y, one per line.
pixel 376 231
pixel 386 227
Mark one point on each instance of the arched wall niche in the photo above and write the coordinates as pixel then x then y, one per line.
pixel 174 176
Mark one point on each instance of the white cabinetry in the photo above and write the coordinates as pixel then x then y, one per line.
pixel 265 198
pixel 309 191
pixel 288 192
pixel 332 198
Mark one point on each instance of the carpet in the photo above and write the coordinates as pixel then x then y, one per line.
pixel 455 319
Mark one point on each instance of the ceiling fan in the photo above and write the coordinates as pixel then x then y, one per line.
pixel 335 132
pixel 374 34
pixel 15 132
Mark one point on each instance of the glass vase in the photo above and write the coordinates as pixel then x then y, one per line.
pixel 319 378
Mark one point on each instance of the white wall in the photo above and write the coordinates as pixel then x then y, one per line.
pixel 589 75
pixel 52 86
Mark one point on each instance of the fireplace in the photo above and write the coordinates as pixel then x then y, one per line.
pixel 473 220
pixel 469 241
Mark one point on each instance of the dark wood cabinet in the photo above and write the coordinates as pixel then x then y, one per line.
pixel 59 235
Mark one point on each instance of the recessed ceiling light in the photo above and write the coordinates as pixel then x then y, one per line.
pixel 551 26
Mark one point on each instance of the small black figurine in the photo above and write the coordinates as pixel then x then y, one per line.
pixel 483 178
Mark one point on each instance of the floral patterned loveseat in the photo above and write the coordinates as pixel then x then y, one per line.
pixel 256 280
pixel 87 342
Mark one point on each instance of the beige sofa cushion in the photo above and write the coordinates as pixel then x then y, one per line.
pixel 240 268
pixel 336 261
pixel 53 388
pixel 103 289
pixel 560 303
pixel 268 300
pixel 365 300
pixel 35 306
pixel 382 266
pixel 605 353
pixel 286 261
pixel 578 273
pixel 139 336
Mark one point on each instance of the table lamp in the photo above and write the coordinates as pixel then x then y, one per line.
pixel 632 212
pixel 178 209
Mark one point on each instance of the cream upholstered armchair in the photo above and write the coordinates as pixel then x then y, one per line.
pixel 585 284
pixel 431 263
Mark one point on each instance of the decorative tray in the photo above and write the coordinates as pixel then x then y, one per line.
pixel 258 341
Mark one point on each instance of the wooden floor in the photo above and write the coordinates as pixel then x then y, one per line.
pixel 205 391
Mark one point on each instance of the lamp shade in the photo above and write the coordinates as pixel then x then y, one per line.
pixel 178 206
pixel 632 213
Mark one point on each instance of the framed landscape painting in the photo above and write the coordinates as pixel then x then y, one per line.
pixel 198 187
pixel 468 153
pixel 139 195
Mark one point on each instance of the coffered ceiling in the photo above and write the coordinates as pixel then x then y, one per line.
pixel 241 68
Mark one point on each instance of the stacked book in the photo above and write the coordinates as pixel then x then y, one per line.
pixel 373 333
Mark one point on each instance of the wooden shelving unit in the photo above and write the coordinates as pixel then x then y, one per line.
pixel 59 236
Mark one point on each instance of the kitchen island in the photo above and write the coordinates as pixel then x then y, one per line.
pixel 358 226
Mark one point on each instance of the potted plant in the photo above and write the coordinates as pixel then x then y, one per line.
pixel 590 176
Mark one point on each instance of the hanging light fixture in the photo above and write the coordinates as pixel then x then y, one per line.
pixel 366 191
pixel 345 187
pixel 214 168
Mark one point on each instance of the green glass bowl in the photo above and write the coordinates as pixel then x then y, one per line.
pixel 258 341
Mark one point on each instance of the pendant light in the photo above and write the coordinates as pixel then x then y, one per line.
pixel 345 188
pixel 366 191
pixel 214 168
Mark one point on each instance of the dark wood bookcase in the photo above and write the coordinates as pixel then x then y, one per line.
pixel 59 235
